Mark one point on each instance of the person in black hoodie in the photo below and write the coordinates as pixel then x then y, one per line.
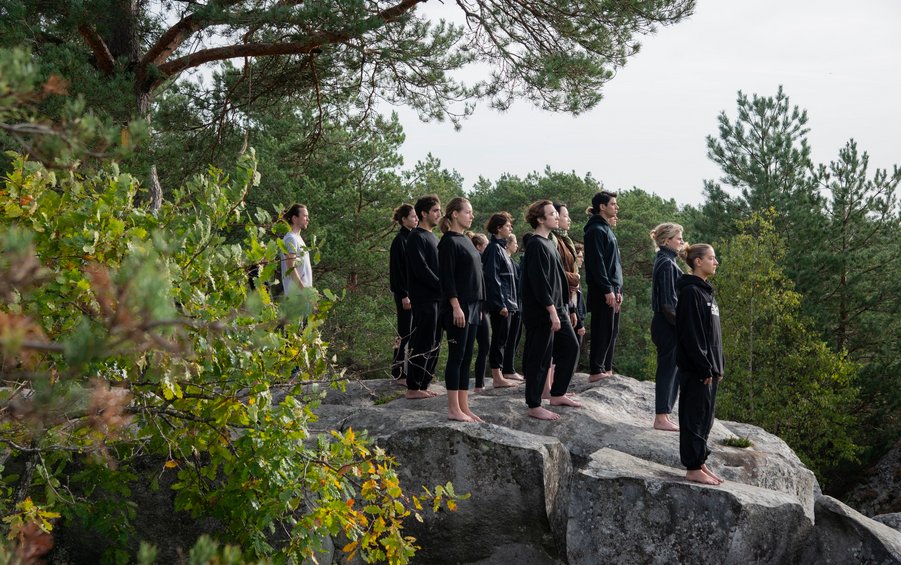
pixel 502 301
pixel 406 216
pixel 667 237
pixel 424 290
pixel 699 356
pixel 604 275
pixel 545 314
pixel 462 294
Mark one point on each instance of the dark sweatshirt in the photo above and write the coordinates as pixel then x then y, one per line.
pixel 543 282
pixel 700 348
pixel 603 269
pixel 663 294
pixel 461 276
pixel 422 267
pixel 397 266
pixel 500 278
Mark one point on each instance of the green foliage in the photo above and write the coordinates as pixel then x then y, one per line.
pixel 779 374
pixel 741 442
pixel 126 334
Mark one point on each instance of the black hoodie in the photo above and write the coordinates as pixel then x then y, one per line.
pixel 700 348
pixel 603 269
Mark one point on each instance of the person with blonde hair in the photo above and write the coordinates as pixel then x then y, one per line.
pixel 667 238
pixel 462 294
pixel 699 356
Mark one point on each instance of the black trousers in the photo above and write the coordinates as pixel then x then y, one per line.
pixel 500 332
pixel 404 328
pixel 604 329
pixel 482 341
pixel 425 340
pixel 543 345
pixel 459 354
pixel 663 334
pixel 697 402
pixel 512 344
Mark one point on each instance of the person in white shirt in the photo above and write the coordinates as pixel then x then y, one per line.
pixel 297 271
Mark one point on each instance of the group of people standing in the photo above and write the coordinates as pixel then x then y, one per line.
pixel 465 283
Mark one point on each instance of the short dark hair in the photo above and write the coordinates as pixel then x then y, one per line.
pixel 600 198
pixel 497 221
pixel 424 204
pixel 402 212
pixel 294 210
pixel 536 212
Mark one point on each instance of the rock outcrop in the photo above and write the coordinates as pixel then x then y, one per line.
pixel 600 486
pixel 880 491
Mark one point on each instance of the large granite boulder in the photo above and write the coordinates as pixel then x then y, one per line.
pixel 599 485
pixel 880 491
pixel 844 536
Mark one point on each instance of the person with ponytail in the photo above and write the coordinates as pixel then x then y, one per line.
pixel 604 275
pixel 462 294
pixel 424 289
pixel 508 370
pixel 668 240
pixel 405 216
pixel 699 357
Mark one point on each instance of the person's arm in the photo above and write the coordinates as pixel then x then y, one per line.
pixel 665 287
pixel 494 294
pixel 692 332
pixel 595 244
pixel 418 265
pixel 538 270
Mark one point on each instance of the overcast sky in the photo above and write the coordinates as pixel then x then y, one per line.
pixel 841 61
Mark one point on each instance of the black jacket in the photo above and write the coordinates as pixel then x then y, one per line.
pixel 603 269
pixel 500 277
pixel 397 266
pixel 700 343
pixel 663 291
pixel 423 284
pixel 461 276
pixel 543 282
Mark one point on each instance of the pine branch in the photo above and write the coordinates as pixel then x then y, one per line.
pixel 105 61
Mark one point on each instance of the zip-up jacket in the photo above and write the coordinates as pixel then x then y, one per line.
pixel 700 343
pixel 500 277
pixel 423 284
pixel 603 269
pixel 397 266
pixel 543 282
pixel 663 291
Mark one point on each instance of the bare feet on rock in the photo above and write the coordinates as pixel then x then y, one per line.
pixel 459 416
pixel 400 381
pixel 542 414
pixel 711 474
pixel 514 377
pixel 596 377
pixel 417 394
pixel 565 401
pixel 503 383
pixel 699 476
pixel 479 389
pixel 663 423
pixel 474 417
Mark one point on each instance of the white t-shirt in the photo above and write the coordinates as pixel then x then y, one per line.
pixel 295 245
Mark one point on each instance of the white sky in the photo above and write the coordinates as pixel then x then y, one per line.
pixel 841 61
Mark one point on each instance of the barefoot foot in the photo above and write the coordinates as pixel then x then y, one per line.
pixel 711 474
pixel 598 377
pixel 514 377
pixel 417 394
pixel 503 383
pixel 565 401
pixel 699 476
pixel 663 423
pixel 479 389
pixel 542 414
pixel 459 416
pixel 474 417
